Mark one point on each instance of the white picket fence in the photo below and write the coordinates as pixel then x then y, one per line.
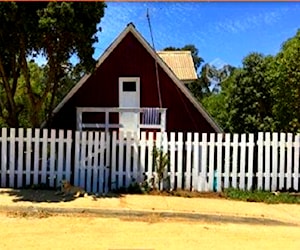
pixel 212 162
pixel 100 161
pixel 34 156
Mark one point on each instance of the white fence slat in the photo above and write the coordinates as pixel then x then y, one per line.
pixel 36 156
pixel 68 156
pixel 165 147
pixel 12 156
pixel 128 156
pixel 260 158
pixel 211 166
pixel 282 162
pixel 53 159
pixel 227 160
pixel 218 176
pixel 91 153
pixel 250 174
pixel 274 170
pixel 172 160
pixel 135 151
pixel 114 160
pixel 95 162
pixel 179 160
pixel 101 175
pixel 187 181
pixel 107 165
pixel 60 157
pixel 161 137
pixel 289 160
pixel 196 162
pixel 235 147
pixel 203 170
pixel 44 160
pixel 296 162
pixel 150 144
pixel 121 159
pixel 52 175
pixel 77 156
pixel 20 157
pixel 3 156
pixel 242 162
pixel 82 161
pixel 158 142
pixel 28 155
pixel 142 163
pixel 267 169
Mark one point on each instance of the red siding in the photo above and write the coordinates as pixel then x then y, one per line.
pixel 130 59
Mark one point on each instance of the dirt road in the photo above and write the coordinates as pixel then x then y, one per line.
pixel 28 221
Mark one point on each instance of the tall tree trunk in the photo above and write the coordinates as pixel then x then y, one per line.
pixel 10 105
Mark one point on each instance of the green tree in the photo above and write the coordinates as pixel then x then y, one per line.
pixel 244 102
pixel 201 86
pixel 262 95
pixel 38 81
pixel 285 73
pixel 54 30
pixel 248 99
pixel 216 102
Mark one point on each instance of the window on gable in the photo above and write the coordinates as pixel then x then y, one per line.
pixel 129 86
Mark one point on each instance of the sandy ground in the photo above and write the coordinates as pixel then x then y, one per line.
pixel 41 220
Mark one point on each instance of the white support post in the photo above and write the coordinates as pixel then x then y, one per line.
pixel 78 119
pixel 106 121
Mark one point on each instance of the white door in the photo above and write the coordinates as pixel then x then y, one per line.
pixel 129 97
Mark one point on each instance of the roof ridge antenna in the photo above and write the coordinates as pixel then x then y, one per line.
pixel 156 66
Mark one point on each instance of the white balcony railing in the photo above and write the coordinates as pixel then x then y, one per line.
pixel 140 118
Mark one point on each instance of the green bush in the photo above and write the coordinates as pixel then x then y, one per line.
pixel 261 196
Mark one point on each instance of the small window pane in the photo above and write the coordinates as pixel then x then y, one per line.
pixel 129 86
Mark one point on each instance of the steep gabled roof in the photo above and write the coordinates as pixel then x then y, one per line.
pixel 131 28
pixel 181 63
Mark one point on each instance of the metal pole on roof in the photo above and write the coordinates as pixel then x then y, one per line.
pixel 156 66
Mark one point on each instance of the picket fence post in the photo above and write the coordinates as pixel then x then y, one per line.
pixel 187 182
pixel 235 146
pixel 296 161
pixel 274 173
pixel 250 174
pixel 282 162
pixel 172 160
pixel 20 157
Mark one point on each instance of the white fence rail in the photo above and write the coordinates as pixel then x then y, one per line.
pixel 104 161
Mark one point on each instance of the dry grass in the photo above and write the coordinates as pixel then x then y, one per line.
pixel 37 214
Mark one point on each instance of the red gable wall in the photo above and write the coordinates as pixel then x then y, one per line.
pixel 130 59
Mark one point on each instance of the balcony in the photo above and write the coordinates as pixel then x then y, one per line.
pixel 121 119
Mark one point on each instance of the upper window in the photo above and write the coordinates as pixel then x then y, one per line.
pixel 129 86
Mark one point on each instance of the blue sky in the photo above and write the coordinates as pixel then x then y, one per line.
pixel 222 32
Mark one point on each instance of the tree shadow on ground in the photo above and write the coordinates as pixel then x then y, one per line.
pixel 42 195
pixel 36 195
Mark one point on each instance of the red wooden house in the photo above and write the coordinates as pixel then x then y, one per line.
pixel 132 88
